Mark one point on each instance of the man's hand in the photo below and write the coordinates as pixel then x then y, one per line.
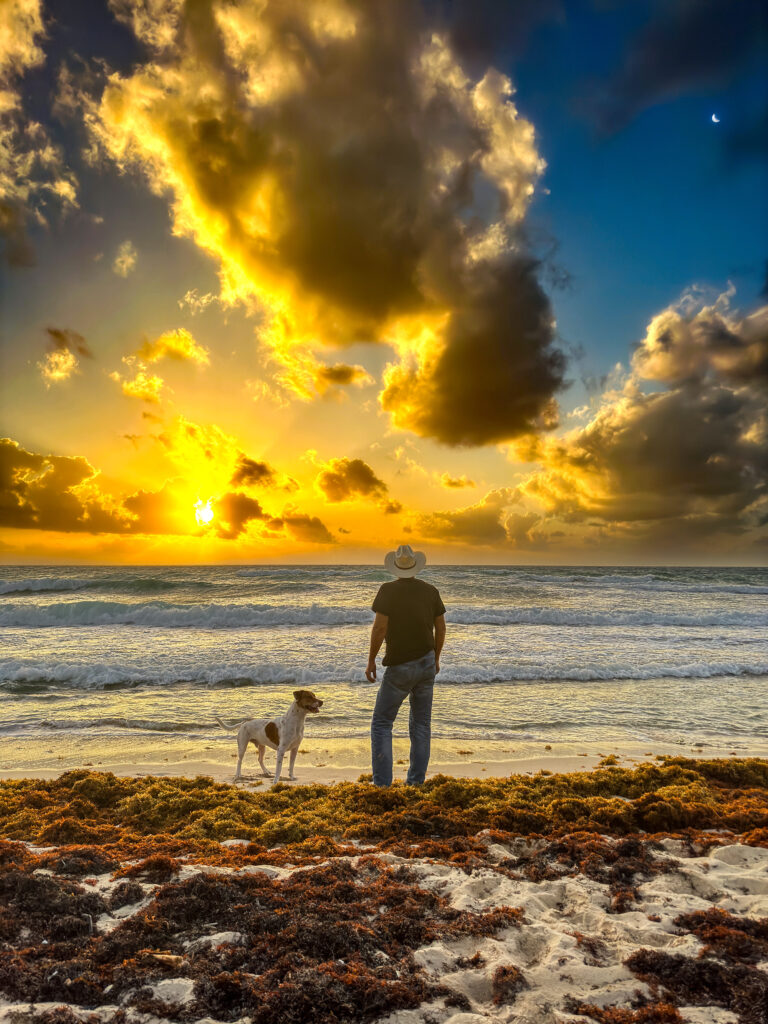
pixel 437 665
pixel 378 635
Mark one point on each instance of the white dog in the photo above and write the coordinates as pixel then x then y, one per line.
pixel 280 734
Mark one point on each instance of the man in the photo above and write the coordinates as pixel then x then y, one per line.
pixel 410 616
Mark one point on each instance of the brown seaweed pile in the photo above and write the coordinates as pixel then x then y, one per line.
pixel 100 809
pixel 507 983
pixel 332 942
pixel 723 974
pixel 702 982
pixel 647 1013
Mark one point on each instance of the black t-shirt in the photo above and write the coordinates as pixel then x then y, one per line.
pixel 412 606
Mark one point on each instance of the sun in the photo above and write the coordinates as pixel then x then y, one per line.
pixel 203 512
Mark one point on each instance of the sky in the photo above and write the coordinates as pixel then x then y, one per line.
pixel 300 281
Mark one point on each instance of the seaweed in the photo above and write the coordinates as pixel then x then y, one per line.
pixel 156 868
pixel 736 939
pixel 648 1013
pixel 124 894
pixel 99 809
pixel 594 947
pixel 703 982
pixel 474 961
pixel 44 906
pixel 56 1015
pixel 615 863
pixel 507 983
pixel 347 956
pixel 77 861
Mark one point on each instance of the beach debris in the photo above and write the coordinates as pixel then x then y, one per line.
pixel 508 981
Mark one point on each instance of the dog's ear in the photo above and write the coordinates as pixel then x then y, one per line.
pixel 297 694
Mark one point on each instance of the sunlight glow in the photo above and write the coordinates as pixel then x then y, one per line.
pixel 203 512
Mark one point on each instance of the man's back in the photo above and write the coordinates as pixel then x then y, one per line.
pixel 411 605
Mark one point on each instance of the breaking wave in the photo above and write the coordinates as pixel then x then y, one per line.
pixel 20 676
pixel 162 614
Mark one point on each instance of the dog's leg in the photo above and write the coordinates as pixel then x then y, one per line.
pixel 264 771
pixel 279 765
pixel 292 762
pixel 242 745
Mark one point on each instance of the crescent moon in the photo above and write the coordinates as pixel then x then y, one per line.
pixel 715 119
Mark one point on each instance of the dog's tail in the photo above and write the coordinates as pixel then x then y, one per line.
pixel 229 728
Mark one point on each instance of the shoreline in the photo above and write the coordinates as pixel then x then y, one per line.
pixel 333 770
pixel 326 775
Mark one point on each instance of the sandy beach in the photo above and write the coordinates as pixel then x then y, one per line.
pixel 624 894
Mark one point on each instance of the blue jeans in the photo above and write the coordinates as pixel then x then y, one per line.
pixel 416 681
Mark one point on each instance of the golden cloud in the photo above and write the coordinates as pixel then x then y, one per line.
pixel 57 367
pixel 480 524
pixel 147 387
pixel 62 494
pixel 34 177
pixel 154 22
pixel 348 479
pixel 54 492
pixel 61 362
pixel 178 344
pixel 252 473
pixel 456 482
pixel 680 463
pixel 349 177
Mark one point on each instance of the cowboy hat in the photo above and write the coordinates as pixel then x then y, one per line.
pixel 405 562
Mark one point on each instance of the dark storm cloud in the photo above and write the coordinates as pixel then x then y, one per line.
pixel 53 492
pixel 345 479
pixel 495 29
pixel 354 181
pixel 307 528
pixel 251 473
pixel 481 524
pixel 708 345
pixel 233 511
pixel 689 459
pixel 498 370
pixel 342 375
pixel 688 45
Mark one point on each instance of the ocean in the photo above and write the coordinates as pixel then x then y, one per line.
pixel 118 665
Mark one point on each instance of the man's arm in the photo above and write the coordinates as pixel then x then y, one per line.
pixel 378 633
pixel 439 639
